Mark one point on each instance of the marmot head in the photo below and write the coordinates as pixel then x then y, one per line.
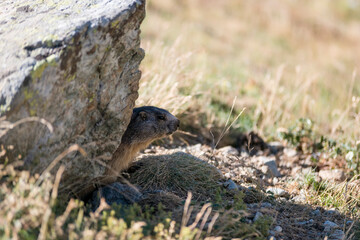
pixel 150 123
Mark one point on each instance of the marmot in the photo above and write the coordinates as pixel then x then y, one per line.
pixel 147 124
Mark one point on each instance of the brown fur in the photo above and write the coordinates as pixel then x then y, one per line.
pixel 147 124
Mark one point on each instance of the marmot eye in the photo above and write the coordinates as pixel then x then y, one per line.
pixel 161 117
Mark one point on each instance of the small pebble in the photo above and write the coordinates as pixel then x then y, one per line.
pixel 231 185
pixel 275 147
pixel 269 166
pixel 278 229
pixel 328 225
pixel 266 205
pixel 332 211
pixel 257 216
pixel 337 235
pixel 290 152
pixel 227 175
pixel 302 223
pixel 316 212
pixel 275 180
pixel 311 221
pixel 278 192
pixel 349 222
pixel 244 154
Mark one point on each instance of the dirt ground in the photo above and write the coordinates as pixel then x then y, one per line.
pixel 284 177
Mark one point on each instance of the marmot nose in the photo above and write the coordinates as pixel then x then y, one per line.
pixel 177 123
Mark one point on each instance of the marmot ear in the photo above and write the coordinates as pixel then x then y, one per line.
pixel 143 115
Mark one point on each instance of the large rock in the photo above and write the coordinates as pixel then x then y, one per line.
pixel 75 64
pixel 115 193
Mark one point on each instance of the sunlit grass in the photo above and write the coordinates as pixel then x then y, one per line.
pixel 283 60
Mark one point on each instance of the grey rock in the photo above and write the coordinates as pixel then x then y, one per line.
pixel 270 167
pixel 290 152
pixel 75 64
pixel 278 229
pixel 308 170
pixel 275 147
pixel 316 212
pixel 229 175
pixel 329 225
pixel 337 235
pixel 244 154
pixel 278 192
pixel 332 174
pixel 296 170
pixel 115 193
pixel 332 211
pixel 231 185
pixel 252 205
pixel 228 150
pixel 308 222
pixel 266 205
pixel 299 199
pixel 302 222
pixel 275 180
pixel 257 216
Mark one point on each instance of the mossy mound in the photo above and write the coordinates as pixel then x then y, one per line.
pixel 178 173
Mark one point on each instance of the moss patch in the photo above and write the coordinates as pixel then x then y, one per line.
pixel 39 68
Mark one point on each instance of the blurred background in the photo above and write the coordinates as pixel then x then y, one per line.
pixel 282 60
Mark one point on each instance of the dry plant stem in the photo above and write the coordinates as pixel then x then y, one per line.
pixel 186 133
pixel 211 224
pixel 103 205
pixel 345 197
pixel 72 148
pixel 60 221
pixel 185 216
pixel 5 126
pixel 275 87
pixel 347 110
pixel 186 208
pixel 47 214
pixel 203 214
pixel 199 215
pixel 205 218
pixel 171 230
pixel 227 128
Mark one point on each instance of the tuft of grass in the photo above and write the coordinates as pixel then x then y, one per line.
pixel 344 196
pixel 178 173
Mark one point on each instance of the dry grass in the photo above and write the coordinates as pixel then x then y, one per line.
pixel 283 59
pixel 29 209
pixel 344 196
pixel 177 173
